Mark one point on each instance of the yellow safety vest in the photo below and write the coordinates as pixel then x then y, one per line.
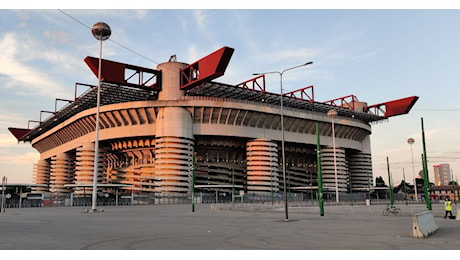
pixel 448 205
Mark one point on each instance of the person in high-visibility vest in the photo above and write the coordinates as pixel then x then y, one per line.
pixel 448 207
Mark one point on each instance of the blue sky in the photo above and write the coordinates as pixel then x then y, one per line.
pixel 377 55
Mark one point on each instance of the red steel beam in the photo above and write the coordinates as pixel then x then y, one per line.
pixel 43 111
pixel 117 73
pixel 206 69
pixel 18 132
pixel 393 108
pixel 303 94
pixel 251 84
pixel 345 102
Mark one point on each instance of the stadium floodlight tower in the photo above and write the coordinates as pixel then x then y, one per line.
pixel 282 130
pixel 101 31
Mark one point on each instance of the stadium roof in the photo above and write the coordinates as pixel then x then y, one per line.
pixel 119 86
pixel 113 94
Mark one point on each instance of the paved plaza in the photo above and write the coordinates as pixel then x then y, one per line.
pixel 221 227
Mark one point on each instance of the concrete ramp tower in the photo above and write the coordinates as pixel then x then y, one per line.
pixel 174 135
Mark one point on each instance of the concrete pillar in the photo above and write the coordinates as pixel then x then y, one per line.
pixel 61 173
pixel 360 167
pixel 84 168
pixel 42 175
pixel 327 165
pixel 170 85
pixel 262 166
pixel 174 136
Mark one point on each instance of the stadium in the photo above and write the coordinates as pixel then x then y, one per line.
pixel 168 131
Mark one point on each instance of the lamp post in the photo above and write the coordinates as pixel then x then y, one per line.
pixel 101 31
pixel 332 114
pixel 411 141
pixel 282 129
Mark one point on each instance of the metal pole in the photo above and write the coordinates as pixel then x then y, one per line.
pixel 335 163
pixel 351 191
pixel 413 170
pixel 233 186
pixel 282 149
pixel 404 187
pixel 426 180
pixel 2 209
pixel 116 197
pixel 369 188
pixel 319 171
pixel 193 179
pixel 390 185
pixel 96 141
pixel 271 185
pixel 282 131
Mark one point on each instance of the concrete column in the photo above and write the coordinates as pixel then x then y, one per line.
pixel 327 165
pixel 84 168
pixel 174 136
pixel 262 166
pixel 170 85
pixel 42 175
pixel 61 173
pixel 360 167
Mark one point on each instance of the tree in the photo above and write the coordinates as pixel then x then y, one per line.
pixel 403 187
pixel 379 182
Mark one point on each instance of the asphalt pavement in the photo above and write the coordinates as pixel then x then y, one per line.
pixel 222 227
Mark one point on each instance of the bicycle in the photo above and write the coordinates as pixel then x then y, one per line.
pixel 391 209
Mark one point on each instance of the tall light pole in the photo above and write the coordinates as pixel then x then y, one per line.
pixel 101 31
pixel 411 141
pixel 332 114
pixel 282 130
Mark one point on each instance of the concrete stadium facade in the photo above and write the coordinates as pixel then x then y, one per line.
pixel 225 136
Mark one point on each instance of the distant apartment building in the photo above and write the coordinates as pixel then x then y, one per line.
pixel 442 174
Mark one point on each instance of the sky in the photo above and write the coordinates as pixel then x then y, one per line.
pixel 376 54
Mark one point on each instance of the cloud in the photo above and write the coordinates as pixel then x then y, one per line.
pixel 366 55
pixel 57 36
pixel 19 74
pixel 17 163
pixel 200 19
pixel 8 140
pixel 432 133
pixel 18 158
pixel 192 53
pixel 283 54
pixel 141 14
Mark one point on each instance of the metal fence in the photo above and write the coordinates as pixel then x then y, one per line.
pixel 68 200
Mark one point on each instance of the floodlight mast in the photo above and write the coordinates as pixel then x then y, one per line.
pixel 101 31
pixel 411 141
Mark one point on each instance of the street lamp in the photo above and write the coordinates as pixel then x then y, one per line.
pixel 101 31
pixel 411 141
pixel 282 128
pixel 332 114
